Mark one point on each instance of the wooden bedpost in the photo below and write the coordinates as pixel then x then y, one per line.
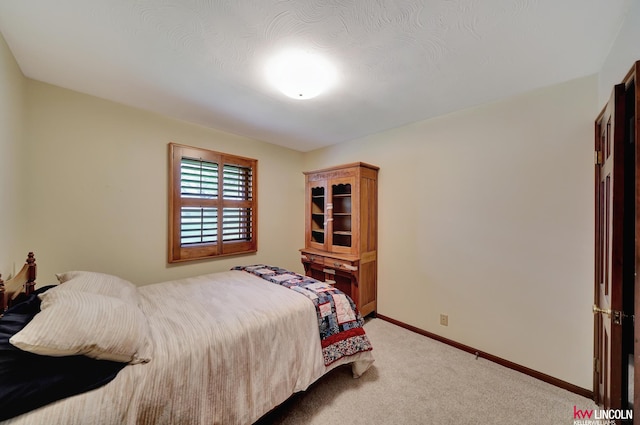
pixel 3 300
pixel 23 283
pixel 30 284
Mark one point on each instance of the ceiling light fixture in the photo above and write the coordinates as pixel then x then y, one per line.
pixel 300 75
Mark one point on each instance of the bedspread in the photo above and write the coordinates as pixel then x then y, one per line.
pixel 227 349
pixel 339 322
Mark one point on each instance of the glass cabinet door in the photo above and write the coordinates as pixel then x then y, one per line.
pixel 318 221
pixel 341 232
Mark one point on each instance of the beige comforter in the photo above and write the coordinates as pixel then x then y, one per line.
pixel 228 347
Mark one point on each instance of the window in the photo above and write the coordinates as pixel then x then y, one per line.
pixel 213 204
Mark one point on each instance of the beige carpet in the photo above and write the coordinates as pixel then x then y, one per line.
pixel 416 380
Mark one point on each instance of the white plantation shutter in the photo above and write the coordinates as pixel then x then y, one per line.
pixel 212 204
pixel 236 224
pixel 237 185
pixel 237 182
pixel 198 178
pixel 198 225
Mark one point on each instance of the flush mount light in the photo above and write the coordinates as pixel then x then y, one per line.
pixel 299 74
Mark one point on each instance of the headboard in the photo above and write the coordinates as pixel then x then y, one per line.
pixel 22 283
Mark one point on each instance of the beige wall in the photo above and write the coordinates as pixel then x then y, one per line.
pixel 486 215
pixel 624 52
pixel 98 189
pixel 11 165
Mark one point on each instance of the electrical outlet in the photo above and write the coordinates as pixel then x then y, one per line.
pixel 444 320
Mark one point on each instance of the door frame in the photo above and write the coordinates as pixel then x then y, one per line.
pixel 631 81
pixel 609 196
pixel 629 122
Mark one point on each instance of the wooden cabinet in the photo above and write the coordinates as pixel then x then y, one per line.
pixel 341 230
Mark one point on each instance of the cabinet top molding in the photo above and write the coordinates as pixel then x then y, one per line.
pixel 339 167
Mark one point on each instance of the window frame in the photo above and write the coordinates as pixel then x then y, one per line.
pixel 180 253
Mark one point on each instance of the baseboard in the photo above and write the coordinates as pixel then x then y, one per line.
pixel 506 363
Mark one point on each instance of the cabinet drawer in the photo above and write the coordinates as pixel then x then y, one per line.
pixel 341 264
pixel 315 259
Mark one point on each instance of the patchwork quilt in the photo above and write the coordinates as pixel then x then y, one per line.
pixel 339 322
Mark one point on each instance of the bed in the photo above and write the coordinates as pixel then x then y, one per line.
pixel 222 348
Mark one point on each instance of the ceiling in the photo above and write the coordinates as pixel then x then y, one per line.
pixel 397 61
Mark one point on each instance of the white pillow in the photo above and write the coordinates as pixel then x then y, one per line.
pixel 77 322
pixel 99 283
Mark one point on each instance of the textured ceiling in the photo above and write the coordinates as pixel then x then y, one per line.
pixel 398 61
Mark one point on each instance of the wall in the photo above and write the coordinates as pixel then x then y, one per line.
pixel 624 52
pixel 487 215
pixel 12 85
pixel 98 189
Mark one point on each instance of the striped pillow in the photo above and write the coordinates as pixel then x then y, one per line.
pixel 84 323
pixel 99 283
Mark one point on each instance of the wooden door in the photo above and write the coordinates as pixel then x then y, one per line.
pixel 609 225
